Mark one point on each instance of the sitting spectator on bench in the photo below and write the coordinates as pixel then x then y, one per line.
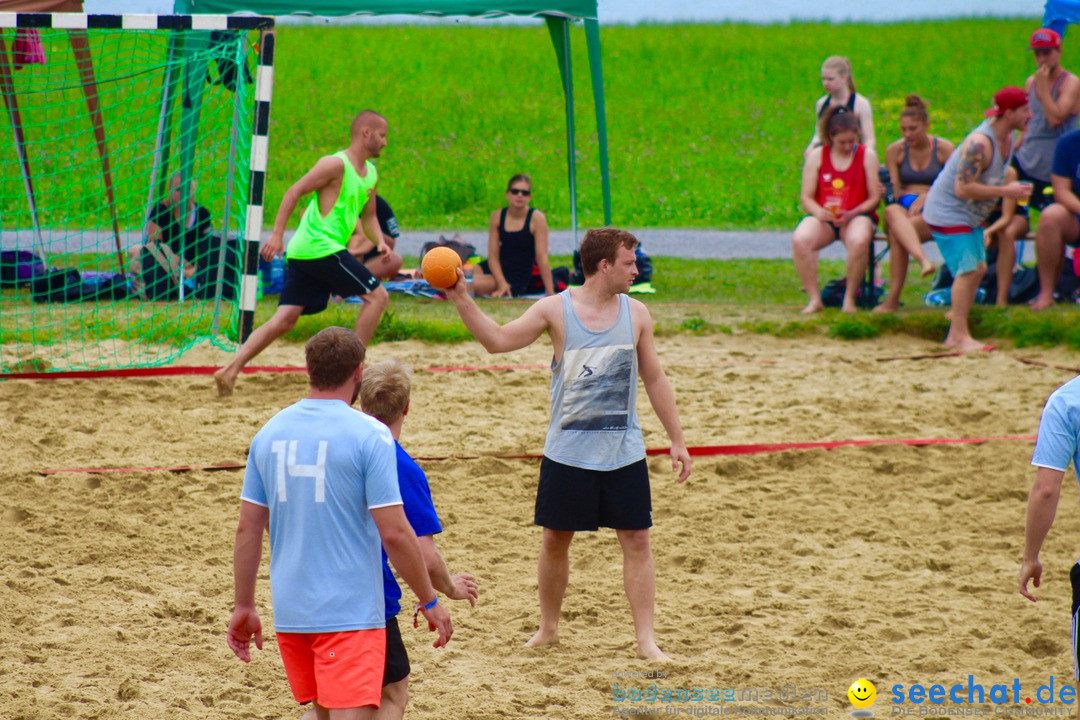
pixel 840 193
pixel 383 266
pixel 903 218
pixel 1054 97
pixel 1059 223
pixel 517 241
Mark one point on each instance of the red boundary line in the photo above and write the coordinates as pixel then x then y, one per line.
pixel 700 451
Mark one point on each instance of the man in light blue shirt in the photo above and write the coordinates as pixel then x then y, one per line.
pixel 322 477
pixel 1056 446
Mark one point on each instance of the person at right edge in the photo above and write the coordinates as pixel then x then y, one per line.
pixel 1055 448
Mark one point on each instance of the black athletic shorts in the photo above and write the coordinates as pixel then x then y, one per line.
pixel 571 498
pixel 310 282
pixel 397 667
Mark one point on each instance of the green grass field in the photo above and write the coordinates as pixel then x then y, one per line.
pixel 700 297
pixel 707 123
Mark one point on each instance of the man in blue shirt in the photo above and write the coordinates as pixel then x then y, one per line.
pixel 384 394
pixel 322 478
pixel 1059 223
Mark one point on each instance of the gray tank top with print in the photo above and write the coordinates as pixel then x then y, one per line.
pixel 594 422
pixel 944 209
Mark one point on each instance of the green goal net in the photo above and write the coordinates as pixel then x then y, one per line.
pixel 132 157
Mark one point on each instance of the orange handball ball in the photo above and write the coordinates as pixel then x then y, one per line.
pixel 439 267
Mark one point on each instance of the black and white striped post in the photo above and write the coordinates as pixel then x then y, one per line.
pixel 260 149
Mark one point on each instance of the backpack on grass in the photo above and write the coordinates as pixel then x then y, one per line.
pixel 832 295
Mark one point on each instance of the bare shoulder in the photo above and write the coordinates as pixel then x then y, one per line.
pixel 895 150
pixel 944 146
pixel 862 104
pixel 549 306
pixel 820 104
pixel 495 217
pixel 538 218
pixel 871 156
pixel 975 143
pixel 639 310
pixel 329 166
pixel 1029 83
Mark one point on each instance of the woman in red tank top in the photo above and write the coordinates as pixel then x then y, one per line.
pixel 841 198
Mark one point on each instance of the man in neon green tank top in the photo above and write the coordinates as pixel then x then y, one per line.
pixel 321 254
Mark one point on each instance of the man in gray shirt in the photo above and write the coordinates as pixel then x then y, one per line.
pixel 962 197
pixel 593 473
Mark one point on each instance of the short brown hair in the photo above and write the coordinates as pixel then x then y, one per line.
pixel 603 244
pixel 385 389
pixel 332 355
pixel 364 118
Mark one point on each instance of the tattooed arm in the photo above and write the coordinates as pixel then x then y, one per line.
pixel 975 156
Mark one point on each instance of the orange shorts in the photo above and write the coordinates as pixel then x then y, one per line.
pixel 338 669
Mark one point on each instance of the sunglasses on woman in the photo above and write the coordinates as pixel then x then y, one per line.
pixel 519 191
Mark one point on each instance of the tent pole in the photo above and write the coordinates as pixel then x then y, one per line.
pixel 160 151
pixel 7 88
pixel 80 47
pixel 592 37
pixel 559 27
pixel 195 61
pixel 233 140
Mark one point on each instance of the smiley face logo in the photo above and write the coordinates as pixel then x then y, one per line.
pixel 862 693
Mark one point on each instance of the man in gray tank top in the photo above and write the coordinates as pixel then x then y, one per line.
pixel 962 197
pixel 593 473
pixel 1054 99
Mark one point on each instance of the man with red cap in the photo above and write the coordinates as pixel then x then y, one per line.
pixel 962 197
pixel 1054 97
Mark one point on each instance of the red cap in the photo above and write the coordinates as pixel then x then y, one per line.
pixel 1045 39
pixel 1005 99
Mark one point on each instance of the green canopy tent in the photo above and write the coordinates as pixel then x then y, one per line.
pixel 557 13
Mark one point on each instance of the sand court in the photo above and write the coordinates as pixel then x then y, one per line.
pixel 804 569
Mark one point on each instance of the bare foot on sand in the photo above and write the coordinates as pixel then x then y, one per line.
pixel 812 307
pixel 969 344
pixel 224 382
pixel 543 638
pixel 650 651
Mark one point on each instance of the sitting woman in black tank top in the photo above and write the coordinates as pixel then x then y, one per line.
pixel 517 241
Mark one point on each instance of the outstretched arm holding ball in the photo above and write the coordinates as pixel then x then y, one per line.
pixel 543 315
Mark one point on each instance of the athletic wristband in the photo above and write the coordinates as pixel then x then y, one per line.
pixel 421 606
